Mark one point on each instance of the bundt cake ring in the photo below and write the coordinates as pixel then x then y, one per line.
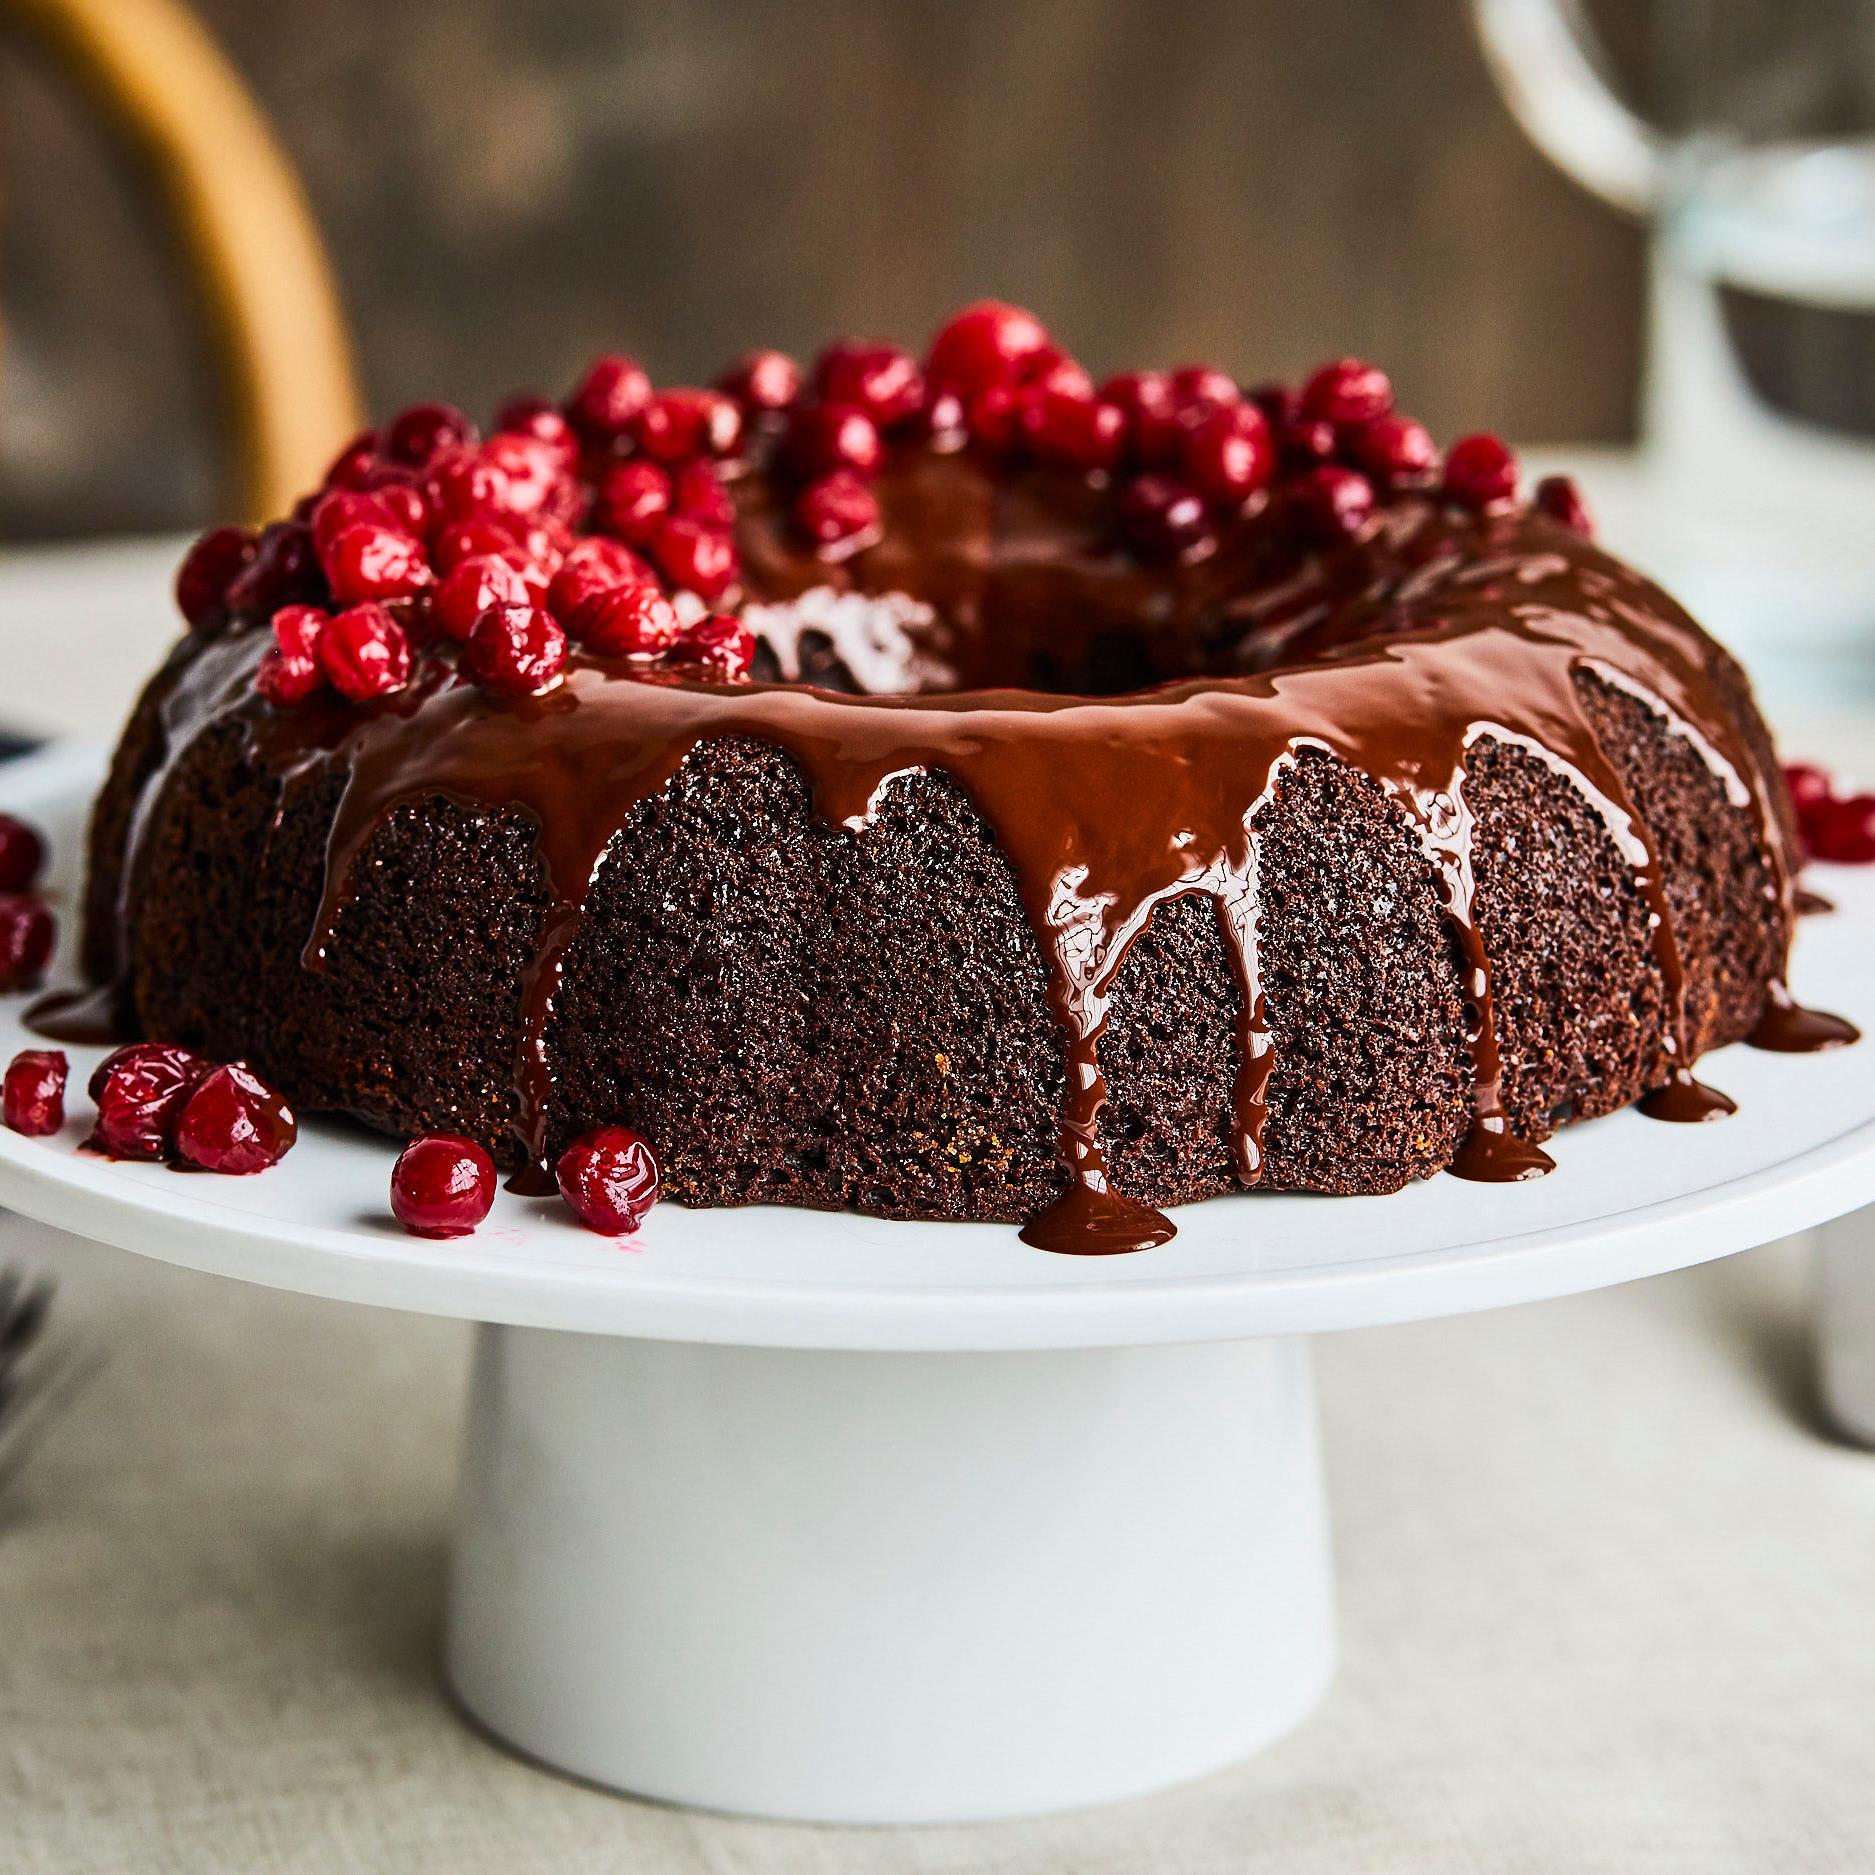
pixel 949 790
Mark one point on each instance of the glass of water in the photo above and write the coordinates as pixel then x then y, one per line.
pixel 1758 179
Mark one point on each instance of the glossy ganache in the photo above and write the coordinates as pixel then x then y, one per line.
pixel 1072 803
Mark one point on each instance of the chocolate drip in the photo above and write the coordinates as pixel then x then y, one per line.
pixel 1685 1100
pixel 1811 904
pixel 1395 656
pixel 1787 1028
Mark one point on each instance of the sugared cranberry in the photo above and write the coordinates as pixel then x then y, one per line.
pixel 471 587
pixel 414 435
pixel 1481 472
pixel 291 671
pixel 718 647
pixel 1331 503
pixel 339 509
pixel 676 425
pixel 365 653
pixel 33 1100
pixel 1151 414
pixel 986 343
pixel 1163 518
pixel 1810 788
pixel 519 650
pixel 698 494
pixel 140 1091
pixel 208 569
pixel 22 853
pixel 825 437
pixel 631 621
pixel 610 1179
pixel 354 462
pixel 26 932
pixel 1843 832
pixel 837 511
pixel 1347 392
pixel 608 397
pixel 1559 497
pixel 633 498
pixel 1204 384
pixel 234 1123
pixel 1227 454
pixel 1077 432
pixel 1396 451
pixel 442 1186
pixel 373 561
pixel 697 559
pixel 284 569
pixel 594 564
pixel 457 540
pixel 764 380
pixel 882 380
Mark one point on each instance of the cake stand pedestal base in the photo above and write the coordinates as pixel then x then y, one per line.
pixel 875 1588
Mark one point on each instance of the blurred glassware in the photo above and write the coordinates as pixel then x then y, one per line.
pixel 1758 415
pixel 236 213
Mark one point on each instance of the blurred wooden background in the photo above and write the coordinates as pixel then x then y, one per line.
pixel 507 189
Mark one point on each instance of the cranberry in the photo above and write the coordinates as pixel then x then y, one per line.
pixel 1227 453
pixel 365 653
pixel 1162 517
pixel 1051 369
pixel 882 380
pixel 1151 413
pixel 698 559
pixel 339 509
pixel 400 492
pixel 825 437
pixel 290 672
pixel 1350 391
pixel 1396 451
pixel 354 462
pixel 140 1091
pixel 457 540
pixel 986 343
pixel 1306 442
pixel 539 546
pixel 762 380
pixel 470 587
pixel 442 1186
pixel 235 1123
pixel 1481 472
pixel 1560 498
pixel 994 417
pixel 519 650
pixel 698 494
pixel 373 561
pixel 33 1099
pixel 632 621
pixel 610 1178
pixel 1844 831
pixel 416 434
pixel 532 469
pixel 1281 403
pixel 676 425
pixel 1331 503
pixel 208 569
pixel 941 420
pixel 1204 384
pixel 1810 788
pixel 608 397
pixel 837 511
pixel 285 568
pixel 717 647
pixel 1078 432
pixel 470 485
pixel 26 932
pixel 22 853
pixel 593 565
pixel 633 499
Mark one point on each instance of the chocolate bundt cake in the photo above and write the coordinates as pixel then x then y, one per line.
pixel 949 791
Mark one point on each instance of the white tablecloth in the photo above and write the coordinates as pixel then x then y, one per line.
pixel 1606 1599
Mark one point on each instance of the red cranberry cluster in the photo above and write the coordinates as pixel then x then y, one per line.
pixel 26 926
pixel 158 1101
pixel 444 1185
pixel 1835 827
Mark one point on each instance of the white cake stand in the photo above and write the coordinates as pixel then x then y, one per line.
pixel 815 1516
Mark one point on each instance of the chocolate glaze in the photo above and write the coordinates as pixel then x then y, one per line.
pixel 1012 610
pixel 1685 1100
